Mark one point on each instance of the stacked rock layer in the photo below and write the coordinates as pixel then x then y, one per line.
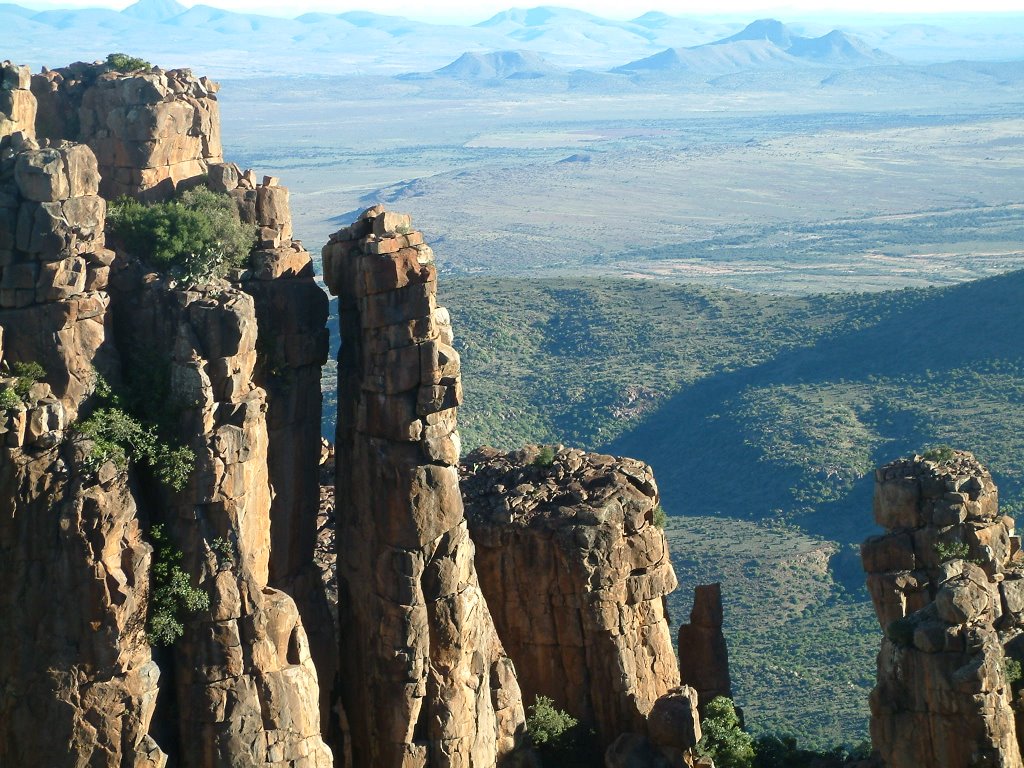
pixel 424 677
pixel 240 687
pixel 151 130
pixel 576 573
pixel 946 582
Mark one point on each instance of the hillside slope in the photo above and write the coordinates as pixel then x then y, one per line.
pixel 696 381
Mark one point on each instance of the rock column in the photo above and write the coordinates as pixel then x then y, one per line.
pixel 425 680
pixel 78 684
pixel 576 571
pixel 945 587
pixel 703 653
pixel 247 689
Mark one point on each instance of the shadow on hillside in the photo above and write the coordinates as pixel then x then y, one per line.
pixel 697 447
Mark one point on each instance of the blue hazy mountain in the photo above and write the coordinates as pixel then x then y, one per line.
pixel 221 42
pixel 766 43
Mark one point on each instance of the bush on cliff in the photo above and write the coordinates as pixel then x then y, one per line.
pixel 122 62
pixel 724 741
pixel 172 594
pixel 119 437
pixel 560 739
pixel 195 236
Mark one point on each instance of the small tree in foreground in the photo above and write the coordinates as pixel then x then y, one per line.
pixel 724 741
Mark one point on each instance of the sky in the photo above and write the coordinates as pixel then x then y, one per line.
pixel 455 11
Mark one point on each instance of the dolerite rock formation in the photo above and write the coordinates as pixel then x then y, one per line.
pixel 703 653
pixel 78 684
pixel 240 687
pixel 151 130
pixel 424 677
pixel 247 689
pixel 946 582
pixel 576 573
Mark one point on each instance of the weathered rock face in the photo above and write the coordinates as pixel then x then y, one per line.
pixel 247 689
pixel 576 573
pixel 151 131
pixel 944 581
pixel 73 562
pixel 240 687
pixel 425 680
pixel 17 105
pixel 703 653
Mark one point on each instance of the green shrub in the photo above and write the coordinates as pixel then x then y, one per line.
pixel 938 454
pixel 775 751
pixel 951 550
pixel 224 552
pixel 545 458
pixel 119 437
pixel 196 236
pixel 9 399
pixel 172 595
pixel 723 740
pixel 659 517
pixel 560 739
pixel 122 62
pixel 1013 670
pixel 27 374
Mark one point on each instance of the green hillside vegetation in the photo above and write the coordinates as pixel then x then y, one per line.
pixel 790 401
pixel 801 646
pixel 763 417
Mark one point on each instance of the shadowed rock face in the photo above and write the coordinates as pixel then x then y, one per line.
pixel 424 677
pixel 77 678
pixel 703 653
pixel 247 689
pixel 576 573
pixel 945 581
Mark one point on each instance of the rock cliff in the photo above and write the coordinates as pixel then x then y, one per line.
pixel 151 130
pixel 424 677
pixel 946 581
pixel 576 572
pixel 76 551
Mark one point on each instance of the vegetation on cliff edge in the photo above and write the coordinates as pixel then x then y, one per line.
pixel 195 236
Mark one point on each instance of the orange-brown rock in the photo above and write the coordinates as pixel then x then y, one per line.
pixel 703 654
pixel 247 688
pixel 424 677
pixel 241 687
pixel 937 580
pixel 78 685
pixel 152 131
pixel 576 573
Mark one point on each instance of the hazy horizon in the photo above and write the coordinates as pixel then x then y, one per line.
pixel 453 12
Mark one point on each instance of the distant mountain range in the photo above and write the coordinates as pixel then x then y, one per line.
pixel 226 43
pixel 765 43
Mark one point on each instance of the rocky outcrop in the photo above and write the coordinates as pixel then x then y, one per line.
pixel 703 654
pixel 240 687
pixel 424 677
pixel 576 573
pixel 247 689
pixel 74 564
pixel 945 581
pixel 151 130
pixel 17 105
